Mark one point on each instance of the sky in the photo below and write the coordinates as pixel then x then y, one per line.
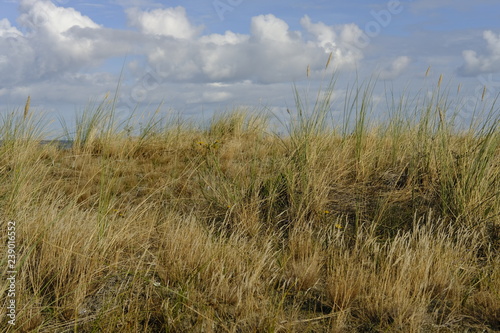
pixel 203 57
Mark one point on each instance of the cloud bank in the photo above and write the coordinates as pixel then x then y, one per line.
pixel 59 54
pixel 54 40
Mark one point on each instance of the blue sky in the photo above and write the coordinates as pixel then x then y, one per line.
pixel 205 56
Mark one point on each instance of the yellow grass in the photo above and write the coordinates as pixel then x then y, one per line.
pixel 388 228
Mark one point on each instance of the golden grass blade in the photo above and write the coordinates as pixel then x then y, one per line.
pixel 427 71
pixel 329 59
pixel 27 108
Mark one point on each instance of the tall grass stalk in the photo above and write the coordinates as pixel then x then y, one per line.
pixel 95 123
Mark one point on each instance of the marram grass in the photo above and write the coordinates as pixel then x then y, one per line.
pixel 230 228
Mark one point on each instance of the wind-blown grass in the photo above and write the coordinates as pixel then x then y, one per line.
pixel 388 227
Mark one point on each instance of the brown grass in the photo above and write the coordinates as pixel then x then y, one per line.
pixel 231 229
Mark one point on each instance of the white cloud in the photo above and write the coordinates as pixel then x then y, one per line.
pixel 15 55
pixel 14 52
pixel 44 17
pixel 55 40
pixel 270 28
pixel 59 39
pixel 6 30
pixel 53 47
pixel 477 64
pixel 395 68
pixel 339 40
pixel 270 53
pixel 171 22
pixel 229 38
pixel 324 35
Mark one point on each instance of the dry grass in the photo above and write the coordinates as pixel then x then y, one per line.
pixel 393 228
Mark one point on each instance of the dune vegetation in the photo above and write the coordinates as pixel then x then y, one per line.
pixel 332 226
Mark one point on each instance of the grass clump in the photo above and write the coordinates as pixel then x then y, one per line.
pixel 352 227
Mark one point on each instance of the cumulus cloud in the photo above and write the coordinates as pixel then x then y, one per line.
pixel 229 38
pixel 17 59
pixel 54 40
pixel 324 35
pixel 341 41
pixel 395 68
pixel 7 30
pixel 44 17
pixel 270 28
pixel 477 64
pixel 58 39
pixel 171 22
pixel 270 53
